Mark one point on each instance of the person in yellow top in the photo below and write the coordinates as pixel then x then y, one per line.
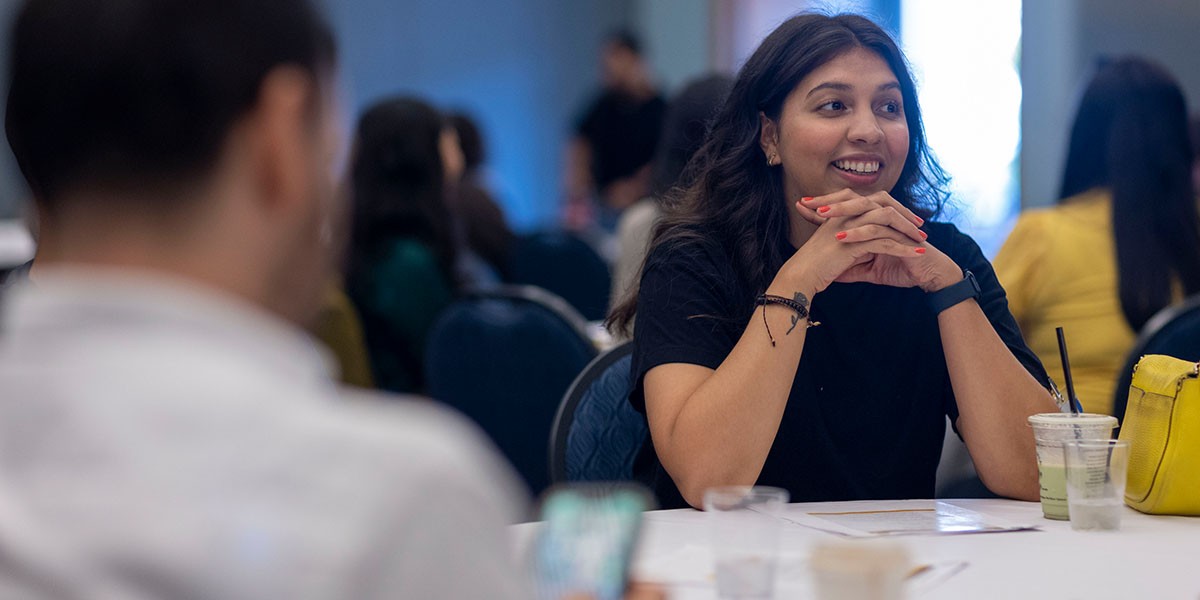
pixel 1124 240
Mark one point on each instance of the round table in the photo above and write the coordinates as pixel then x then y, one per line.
pixel 1150 557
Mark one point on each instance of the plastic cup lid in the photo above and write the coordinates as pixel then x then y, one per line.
pixel 1068 420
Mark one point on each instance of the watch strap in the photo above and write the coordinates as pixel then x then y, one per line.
pixel 959 292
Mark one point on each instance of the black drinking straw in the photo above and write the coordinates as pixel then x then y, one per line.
pixel 1062 351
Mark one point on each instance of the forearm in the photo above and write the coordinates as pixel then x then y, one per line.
pixel 995 395
pixel 725 428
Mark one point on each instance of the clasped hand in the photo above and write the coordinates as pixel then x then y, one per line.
pixel 873 239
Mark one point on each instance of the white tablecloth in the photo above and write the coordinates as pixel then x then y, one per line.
pixel 1151 557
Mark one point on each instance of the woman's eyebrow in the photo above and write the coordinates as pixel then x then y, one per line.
pixel 845 87
pixel 831 85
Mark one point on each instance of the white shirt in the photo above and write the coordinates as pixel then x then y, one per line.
pixel 160 440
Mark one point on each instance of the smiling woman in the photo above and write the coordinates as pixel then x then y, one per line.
pixel 808 202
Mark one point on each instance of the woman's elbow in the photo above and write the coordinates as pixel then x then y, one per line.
pixel 1018 484
pixel 693 485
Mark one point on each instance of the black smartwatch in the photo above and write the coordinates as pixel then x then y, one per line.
pixel 951 295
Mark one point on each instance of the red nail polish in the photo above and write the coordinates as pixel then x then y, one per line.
pixel 920 221
pixel 806 199
pixel 920 251
pixel 841 235
pixel 924 235
pixel 823 209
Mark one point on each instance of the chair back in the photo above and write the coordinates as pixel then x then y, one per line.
pixel 1174 331
pixel 566 265
pixel 597 434
pixel 504 357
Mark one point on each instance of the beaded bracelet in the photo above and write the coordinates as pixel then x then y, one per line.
pixel 796 305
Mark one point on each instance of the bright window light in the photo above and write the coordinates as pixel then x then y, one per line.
pixel 966 58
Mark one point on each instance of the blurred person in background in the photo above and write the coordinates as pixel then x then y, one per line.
pixel 404 254
pixel 608 159
pixel 338 326
pixel 168 429
pixel 684 129
pixel 1124 240
pixel 811 193
pixel 482 219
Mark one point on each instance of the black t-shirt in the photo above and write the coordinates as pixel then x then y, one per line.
pixel 866 415
pixel 623 133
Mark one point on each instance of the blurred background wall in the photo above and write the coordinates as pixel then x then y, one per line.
pixel 1062 40
pixel 525 68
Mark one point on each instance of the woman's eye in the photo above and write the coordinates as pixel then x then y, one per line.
pixel 833 105
pixel 890 107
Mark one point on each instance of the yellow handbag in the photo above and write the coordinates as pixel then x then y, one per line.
pixel 1162 426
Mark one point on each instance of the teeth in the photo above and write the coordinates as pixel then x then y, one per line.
pixel 857 166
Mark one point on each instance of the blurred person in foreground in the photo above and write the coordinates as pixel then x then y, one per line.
pixel 168 429
pixel 1124 240
pixel 608 159
pixel 684 128
pixel 812 193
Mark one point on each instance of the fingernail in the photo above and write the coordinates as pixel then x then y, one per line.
pixel 920 221
pixel 841 235
pixel 806 199
pixel 924 235
pixel 920 251
pixel 823 209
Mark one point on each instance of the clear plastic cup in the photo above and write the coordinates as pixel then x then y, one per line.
pixel 1096 483
pixel 744 527
pixel 1050 430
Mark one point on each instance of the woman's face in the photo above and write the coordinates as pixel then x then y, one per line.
pixel 842 127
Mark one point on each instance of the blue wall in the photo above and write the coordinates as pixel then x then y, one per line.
pixel 522 68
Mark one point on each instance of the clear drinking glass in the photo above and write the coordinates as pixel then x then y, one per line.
pixel 744 527
pixel 1096 483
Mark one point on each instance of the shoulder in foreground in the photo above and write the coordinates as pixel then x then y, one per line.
pixel 407 423
pixel 418 437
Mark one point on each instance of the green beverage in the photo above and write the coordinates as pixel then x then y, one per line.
pixel 1050 430
pixel 1053 478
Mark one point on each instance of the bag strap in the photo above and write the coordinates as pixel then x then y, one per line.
pixel 1163 375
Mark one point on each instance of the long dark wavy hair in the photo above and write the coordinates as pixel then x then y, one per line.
pixel 1131 136
pixel 729 195
pixel 399 186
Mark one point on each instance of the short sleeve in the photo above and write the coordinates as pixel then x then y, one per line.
pixel 994 303
pixel 684 312
pixel 1017 263
pixel 449 515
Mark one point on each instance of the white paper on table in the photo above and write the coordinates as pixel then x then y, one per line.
pixel 899 517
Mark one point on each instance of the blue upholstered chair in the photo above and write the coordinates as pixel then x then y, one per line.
pixel 1174 331
pixel 505 357
pixel 566 265
pixel 597 434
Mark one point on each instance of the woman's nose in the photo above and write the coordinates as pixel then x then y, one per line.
pixel 864 129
